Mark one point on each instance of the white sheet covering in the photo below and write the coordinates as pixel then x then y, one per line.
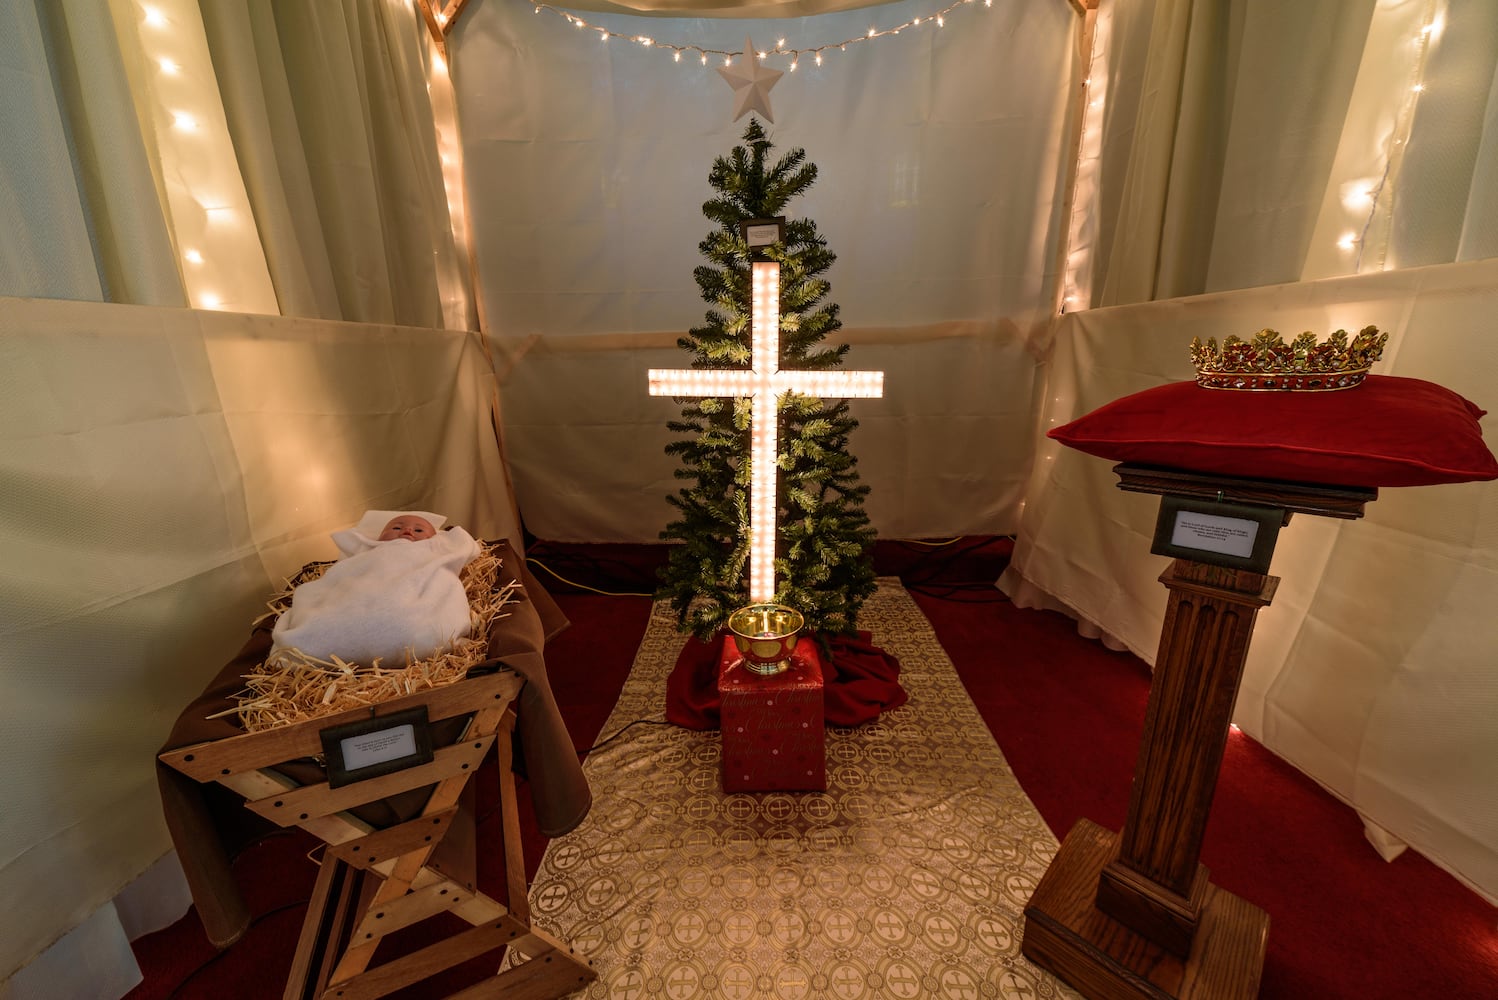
pixel 389 602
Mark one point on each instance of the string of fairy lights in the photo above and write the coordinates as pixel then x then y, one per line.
pixel 704 52
pixel 1081 229
pixel 1432 23
pixel 214 239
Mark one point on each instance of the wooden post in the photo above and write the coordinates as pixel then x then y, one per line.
pixel 1156 885
pixel 1133 915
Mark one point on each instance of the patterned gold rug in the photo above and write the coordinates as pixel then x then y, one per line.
pixel 907 878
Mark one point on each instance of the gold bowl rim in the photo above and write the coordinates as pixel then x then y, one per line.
pixel 796 616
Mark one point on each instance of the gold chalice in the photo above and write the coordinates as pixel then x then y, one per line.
pixel 765 635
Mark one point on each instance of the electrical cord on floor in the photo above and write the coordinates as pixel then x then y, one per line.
pixel 922 576
pixel 961 593
pixel 532 561
pixel 622 730
pixel 934 559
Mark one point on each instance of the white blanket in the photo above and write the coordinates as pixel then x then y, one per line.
pixel 382 600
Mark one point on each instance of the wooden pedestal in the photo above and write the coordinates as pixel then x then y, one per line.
pixel 1107 960
pixel 1133 915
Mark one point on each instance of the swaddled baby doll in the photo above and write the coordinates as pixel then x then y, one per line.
pixel 393 593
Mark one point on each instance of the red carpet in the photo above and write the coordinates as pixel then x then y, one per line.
pixel 1067 714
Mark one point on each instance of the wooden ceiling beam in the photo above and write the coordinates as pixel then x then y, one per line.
pixel 441 15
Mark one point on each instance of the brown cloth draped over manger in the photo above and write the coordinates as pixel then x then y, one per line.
pixel 209 824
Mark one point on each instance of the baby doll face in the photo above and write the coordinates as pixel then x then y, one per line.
pixel 408 526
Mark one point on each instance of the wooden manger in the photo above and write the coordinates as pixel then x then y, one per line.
pixel 384 868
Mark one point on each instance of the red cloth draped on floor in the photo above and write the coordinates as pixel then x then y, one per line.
pixel 860 680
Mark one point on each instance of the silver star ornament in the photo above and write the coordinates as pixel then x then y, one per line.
pixel 751 81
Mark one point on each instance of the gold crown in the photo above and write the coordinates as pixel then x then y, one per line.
pixel 1267 362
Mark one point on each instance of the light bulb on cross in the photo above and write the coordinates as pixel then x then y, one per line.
pixel 763 382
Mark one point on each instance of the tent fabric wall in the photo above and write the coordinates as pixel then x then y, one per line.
pixel 165 468
pixel 940 162
pixel 164 472
pixel 1371 669
pixel 943 451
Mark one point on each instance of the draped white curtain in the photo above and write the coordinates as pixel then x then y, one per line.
pixel 95 232
pixel 164 468
pixel 1255 142
pixel 327 105
pixel 263 157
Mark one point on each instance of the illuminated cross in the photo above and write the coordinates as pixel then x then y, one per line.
pixel 763 382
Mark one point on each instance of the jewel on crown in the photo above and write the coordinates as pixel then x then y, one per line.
pixel 1305 364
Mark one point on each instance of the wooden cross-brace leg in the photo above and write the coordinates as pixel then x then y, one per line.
pixel 375 882
pixel 412 891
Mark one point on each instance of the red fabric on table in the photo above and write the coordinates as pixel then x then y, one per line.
pixel 860 681
pixel 1389 431
pixel 774 733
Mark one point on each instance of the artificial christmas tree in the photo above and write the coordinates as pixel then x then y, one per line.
pixel 822 558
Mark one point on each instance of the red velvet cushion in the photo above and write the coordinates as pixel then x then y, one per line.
pixel 1389 431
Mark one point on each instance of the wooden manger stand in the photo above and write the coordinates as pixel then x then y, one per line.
pixel 1133 915
pixel 373 882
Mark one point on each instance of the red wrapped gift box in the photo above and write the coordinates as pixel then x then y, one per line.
pixel 773 725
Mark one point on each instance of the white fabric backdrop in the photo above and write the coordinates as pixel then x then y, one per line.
pixel 1372 669
pixel 939 153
